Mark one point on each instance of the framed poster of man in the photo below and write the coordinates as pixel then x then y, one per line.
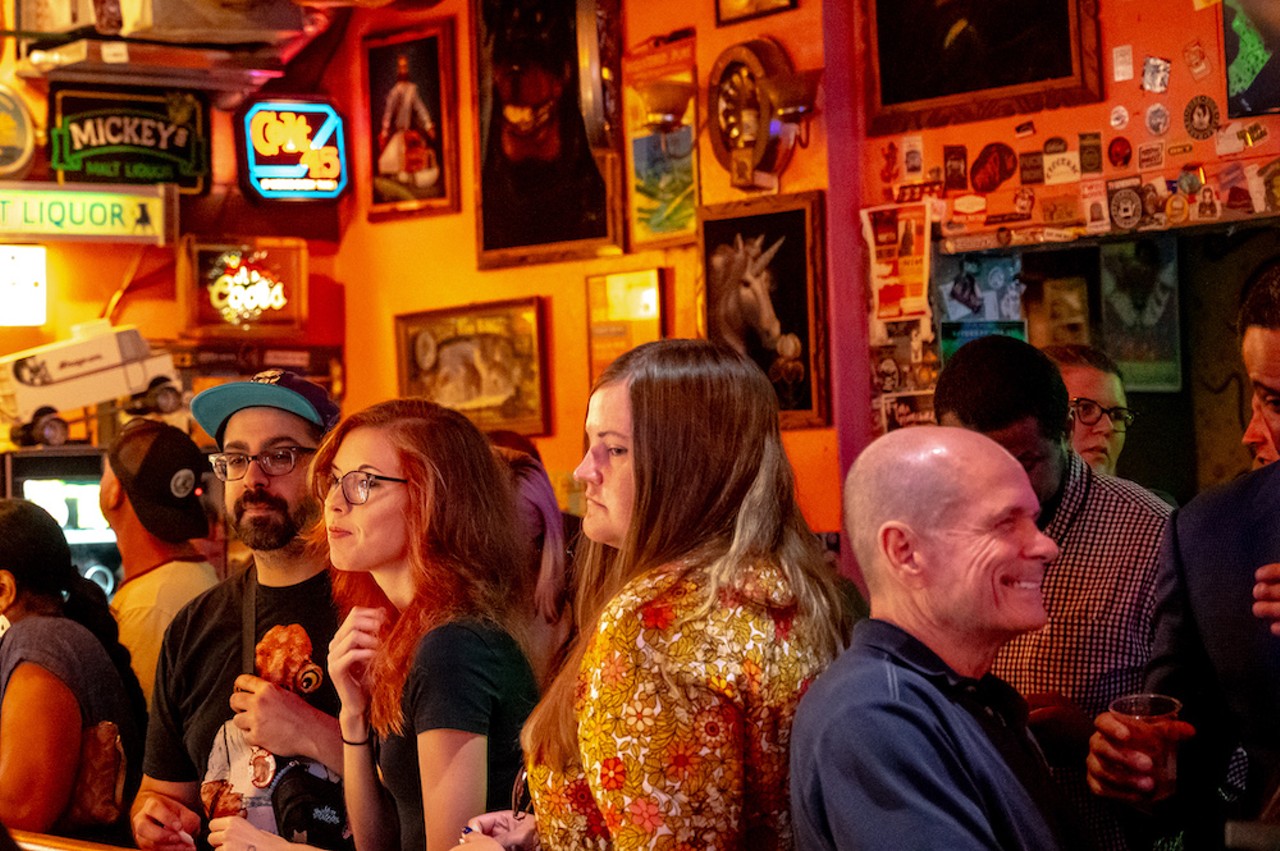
pixel 413 121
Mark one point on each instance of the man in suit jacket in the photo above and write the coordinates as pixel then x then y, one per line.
pixel 1217 621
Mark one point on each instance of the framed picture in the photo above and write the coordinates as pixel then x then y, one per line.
pixel 623 311
pixel 937 63
pixel 1140 323
pixel 732 11
pixel 548 113
pixel 660 97
pixel 413 120
pixel 762 261
pixel 485 360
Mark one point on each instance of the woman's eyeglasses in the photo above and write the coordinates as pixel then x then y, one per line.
pixel 521 800
pixel 356 484
pixel 1088 412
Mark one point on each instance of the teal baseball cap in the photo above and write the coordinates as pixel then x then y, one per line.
pixel 272 388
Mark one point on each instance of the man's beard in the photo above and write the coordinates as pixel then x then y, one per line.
pixel 270 532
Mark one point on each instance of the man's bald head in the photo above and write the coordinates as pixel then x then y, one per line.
pixel 943 523
pixel 916 476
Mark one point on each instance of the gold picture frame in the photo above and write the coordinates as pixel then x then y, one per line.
pixel 485 360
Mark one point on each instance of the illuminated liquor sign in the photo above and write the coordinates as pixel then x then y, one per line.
pixel 294 150
pixel 140 214
pixel 255 286
pixel 129 136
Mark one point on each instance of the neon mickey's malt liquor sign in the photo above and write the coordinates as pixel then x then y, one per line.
pixel 294 150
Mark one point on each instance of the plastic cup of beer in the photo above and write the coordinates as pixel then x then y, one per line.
pixel 1146 716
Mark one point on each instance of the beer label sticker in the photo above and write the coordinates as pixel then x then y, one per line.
pixel 1155 74
pixel 1201 117
pixel 1119 152
pixel 1150 156
pixel 1122 63
pixel 1125 203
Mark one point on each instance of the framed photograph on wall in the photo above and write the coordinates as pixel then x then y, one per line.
pixel 485 360
pixel 623 310
pixel 934 64
pixel 413 120
pixel 548 115
pixel 762 261
pixel 732 11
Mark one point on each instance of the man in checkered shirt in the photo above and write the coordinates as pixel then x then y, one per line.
pixel 1099 592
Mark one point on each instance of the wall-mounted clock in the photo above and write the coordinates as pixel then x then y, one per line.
pixel 744 135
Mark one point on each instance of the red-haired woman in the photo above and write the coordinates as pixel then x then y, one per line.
pixel 434 693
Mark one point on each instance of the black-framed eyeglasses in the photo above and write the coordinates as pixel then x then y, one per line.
pixel 356 484
pixel 1088 412
pixel 232 466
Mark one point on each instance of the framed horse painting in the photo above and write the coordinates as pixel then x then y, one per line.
pixel 762 263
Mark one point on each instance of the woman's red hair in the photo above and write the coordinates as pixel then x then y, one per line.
pixel 468 555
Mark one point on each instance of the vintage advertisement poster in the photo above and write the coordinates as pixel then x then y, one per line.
pixel 898 239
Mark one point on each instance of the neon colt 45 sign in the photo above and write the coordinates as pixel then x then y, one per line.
pixel 294 150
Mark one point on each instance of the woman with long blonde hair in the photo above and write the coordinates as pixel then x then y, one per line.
pixel 704 610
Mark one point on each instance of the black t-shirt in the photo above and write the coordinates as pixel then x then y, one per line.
pixel 466 676
pixel 202 656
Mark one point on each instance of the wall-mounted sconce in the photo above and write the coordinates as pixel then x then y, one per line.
pixel 23 285
pixel 759 106
pixel 665 103
pixel 793 97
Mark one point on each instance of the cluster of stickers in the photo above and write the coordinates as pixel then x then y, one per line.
pixel 1024 190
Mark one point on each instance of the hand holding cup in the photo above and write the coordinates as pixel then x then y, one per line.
pixel 1133 754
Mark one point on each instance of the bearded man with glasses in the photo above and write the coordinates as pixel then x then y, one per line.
pixel 243 719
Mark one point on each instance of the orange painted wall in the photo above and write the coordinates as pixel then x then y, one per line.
pixel 422 262
pixel 418 263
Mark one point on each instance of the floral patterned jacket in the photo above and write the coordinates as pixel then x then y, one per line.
pixel 684 724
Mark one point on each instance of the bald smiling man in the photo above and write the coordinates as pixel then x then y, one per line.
pixel 908 742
